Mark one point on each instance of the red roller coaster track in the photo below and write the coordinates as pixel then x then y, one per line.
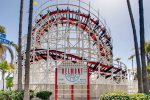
pixel 95 30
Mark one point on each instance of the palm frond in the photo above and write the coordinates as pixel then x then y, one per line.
pixel 14 45
pixel 131 57
pixel 2 49
pixel 2 29
pixel 147 47
pixel 11 53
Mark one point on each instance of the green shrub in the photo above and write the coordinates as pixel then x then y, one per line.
pixel 44 95
pixel 115 96
pixel 32 94
pixel 124 96
pixel 2 96
pixel 139 96
pixel 14 95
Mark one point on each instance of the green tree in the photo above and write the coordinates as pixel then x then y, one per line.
pixel 147 50
pixel 20 47
pixel 142 48
pixel 2 29
pixel 4 67
pixel 27 62
pixel 9 81
pixel 139 74
pixel 3 49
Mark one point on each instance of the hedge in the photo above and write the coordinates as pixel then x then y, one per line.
pixel 115 96
pixel 14 95
pixel 124 96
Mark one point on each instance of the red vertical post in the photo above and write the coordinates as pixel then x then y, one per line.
pixel 88 83
pixel 56 84
pixel 72 92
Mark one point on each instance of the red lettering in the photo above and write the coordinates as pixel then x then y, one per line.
pixel 72 71
pixel 62 70
pixel 78 70
pixel 75 71
pixel 65 70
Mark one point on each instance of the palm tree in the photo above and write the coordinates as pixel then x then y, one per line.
pixel 139 74
pixel 3 49
pixel 27 62
pixel 142 48
pixel 20 47
pixel 131 58
pixel 4 67
pixel 118 59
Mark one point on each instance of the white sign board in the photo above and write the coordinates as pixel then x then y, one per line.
pixel 72 74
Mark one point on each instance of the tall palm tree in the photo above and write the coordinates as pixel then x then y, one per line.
pixel 131 58
pixel 27 62
pixel 139 74
pixel 20 47
pixel 142 48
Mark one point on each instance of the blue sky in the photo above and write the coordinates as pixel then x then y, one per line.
pixel 115 13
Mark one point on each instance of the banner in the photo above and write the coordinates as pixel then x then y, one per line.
pixel 4 41
pixel 2 35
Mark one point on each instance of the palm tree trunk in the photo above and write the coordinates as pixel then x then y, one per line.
pixel 3 78
pixel 142 48
pixel 132 66
pixel 148 58
pixel 20 47
pixel 27 62
pixel 139 74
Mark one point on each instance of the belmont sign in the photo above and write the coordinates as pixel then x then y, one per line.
pixel 72 75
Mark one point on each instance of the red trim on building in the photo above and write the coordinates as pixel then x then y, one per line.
pixel 88 83
pixel 72 92
pixel 56 85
